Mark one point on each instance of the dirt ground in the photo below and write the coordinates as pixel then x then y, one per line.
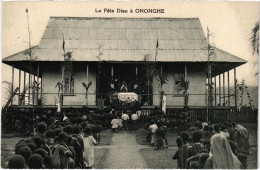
pixel 129 149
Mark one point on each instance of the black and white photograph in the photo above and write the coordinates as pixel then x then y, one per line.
pixel 129 85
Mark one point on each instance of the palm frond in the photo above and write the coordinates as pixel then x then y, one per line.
pixel 255 38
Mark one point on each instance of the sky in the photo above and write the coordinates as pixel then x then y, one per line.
pixel 230 22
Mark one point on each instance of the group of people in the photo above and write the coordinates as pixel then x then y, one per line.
pixel 60 143
pixel 218 146
pixel 67 140
pixel 123 122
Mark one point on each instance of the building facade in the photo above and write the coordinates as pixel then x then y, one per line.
pixel 110 53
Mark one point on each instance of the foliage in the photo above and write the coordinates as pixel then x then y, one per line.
pixel 255 38
pixel 7 88
pixel 242 87
pixel 162 79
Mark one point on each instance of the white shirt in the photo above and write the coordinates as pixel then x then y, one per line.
pixel 153 128
pixel 125 116
pixel 134 117
pixel 114 123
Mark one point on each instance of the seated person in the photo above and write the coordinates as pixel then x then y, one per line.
pixel 16 162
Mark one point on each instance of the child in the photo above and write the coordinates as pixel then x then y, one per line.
pixel 159 136
pixel 16 162
pixel 26 152
pixel 88 153
pixel 178 152
pixel 35 162
pixel 114 123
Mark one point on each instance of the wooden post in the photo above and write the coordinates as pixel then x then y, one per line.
pixel 87 73
pixel 235 86
pixel 41 88
pixel 19 86
pixel 185 72
pixel 33 89
pixel 215 81
pixel 112 71
pixel 136 71
pixel 228 89
pixel 12 85
pixel 29 95
pixel 24 84
pixel 224 99
pixel 37 84
pixel 219 76
pixel 87 83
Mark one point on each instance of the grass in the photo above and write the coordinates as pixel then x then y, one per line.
pixel 7 149
pixel 100 157
pixel 159 159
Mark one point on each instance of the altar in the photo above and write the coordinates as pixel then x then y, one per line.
pixel 125 100
pixel 127 97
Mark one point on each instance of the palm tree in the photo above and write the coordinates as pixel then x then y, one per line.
pixel 255 38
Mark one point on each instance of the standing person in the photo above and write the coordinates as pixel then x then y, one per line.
pixel 62 156
pixel 221 155
pixel 178 153
pixel 134 118
pixel 125 119
pixel 185 137
pixel 159 136
pixel 114 123
pixel 242 139
pixel 88 153
pixel 153 127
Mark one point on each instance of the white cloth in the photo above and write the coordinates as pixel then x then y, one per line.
pixel 127 97
pixel 115 123
pixel 125 116
pixel 153 128
pixel 134 117
pixel 88 153
pixel 164 104
pixel 226 134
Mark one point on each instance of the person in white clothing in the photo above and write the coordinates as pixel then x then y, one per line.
pixel 153 127
pixel 134 118
pixel 125 119
pixel 115 124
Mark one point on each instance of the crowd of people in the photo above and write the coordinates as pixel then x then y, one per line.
pixel 203 145
pixel 66 140
pixel 58 140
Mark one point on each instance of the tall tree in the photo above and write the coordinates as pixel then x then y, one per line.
pixel 255 38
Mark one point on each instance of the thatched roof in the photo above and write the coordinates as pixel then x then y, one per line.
pixel 125 39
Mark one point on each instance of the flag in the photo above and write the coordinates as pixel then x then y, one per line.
pixel 63 43
pixel 157 45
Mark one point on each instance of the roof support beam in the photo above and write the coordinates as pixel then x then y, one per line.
pixel 29 95
pixel 24 88
pixel 33 95
pixel 219 88
pixel 19 85
pixel 228 89
pixel 215 82
pixel 235 86
pixel 224 97
pixel 37 85
pixel 12 85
